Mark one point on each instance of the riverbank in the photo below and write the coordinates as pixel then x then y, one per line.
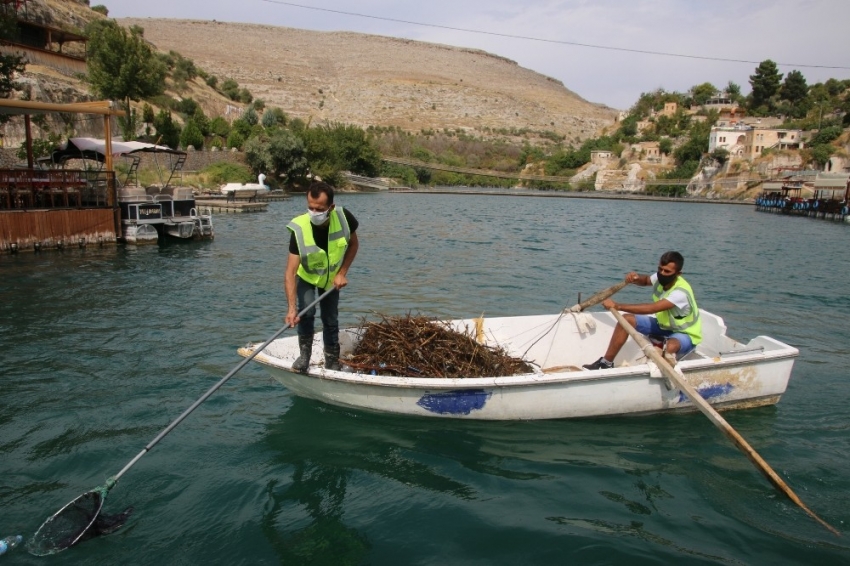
pixel 567 194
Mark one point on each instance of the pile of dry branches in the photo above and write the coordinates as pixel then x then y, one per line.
pixel 417 346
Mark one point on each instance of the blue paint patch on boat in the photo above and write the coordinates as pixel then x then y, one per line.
pixel 460 402
pixel 710 391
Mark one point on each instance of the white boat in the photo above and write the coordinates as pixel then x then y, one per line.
pixel 727 373
pixel 246 190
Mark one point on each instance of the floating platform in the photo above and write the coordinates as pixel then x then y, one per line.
pixel 219 206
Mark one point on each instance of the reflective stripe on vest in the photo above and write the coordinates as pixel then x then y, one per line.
pixel 689 324
pixel 316 264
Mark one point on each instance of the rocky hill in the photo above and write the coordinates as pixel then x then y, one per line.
pixel 331 77
pixel 373 80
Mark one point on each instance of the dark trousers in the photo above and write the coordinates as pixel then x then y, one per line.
pixel 329 309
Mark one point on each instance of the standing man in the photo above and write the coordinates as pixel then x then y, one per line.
pixel 321 249
pixel 673 315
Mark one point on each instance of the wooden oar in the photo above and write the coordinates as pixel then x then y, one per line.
pixel 715 417
pixel 597 298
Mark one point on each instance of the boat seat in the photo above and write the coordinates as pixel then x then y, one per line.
pixel 133 194
pixel 182 193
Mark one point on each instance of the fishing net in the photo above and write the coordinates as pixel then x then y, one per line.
pixel 421 347
pixel 68 525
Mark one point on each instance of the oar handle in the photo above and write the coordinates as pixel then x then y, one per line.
pixel 715 417
pixel 597 298
pixel 114 479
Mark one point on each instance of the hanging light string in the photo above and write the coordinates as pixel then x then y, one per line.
pixel 544 40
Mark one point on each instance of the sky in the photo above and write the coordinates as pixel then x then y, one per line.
pixel 606 51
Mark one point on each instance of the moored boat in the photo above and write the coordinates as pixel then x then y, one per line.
pixel 729 374
pixel 146 213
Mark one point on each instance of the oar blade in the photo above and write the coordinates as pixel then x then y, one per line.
pixel 69 525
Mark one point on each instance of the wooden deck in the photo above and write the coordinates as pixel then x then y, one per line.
pixel 35 230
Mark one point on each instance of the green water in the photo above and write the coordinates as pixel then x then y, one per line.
pixel 101 348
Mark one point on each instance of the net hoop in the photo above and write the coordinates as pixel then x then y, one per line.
pixel 46 542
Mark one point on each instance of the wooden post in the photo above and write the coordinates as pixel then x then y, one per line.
pixel 111 189
pixel 28 129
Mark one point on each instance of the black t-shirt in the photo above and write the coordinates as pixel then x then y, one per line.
pixel 320 233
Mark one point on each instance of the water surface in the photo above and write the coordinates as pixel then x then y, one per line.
pixel 102 348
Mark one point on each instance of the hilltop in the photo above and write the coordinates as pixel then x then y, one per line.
pixel 381 81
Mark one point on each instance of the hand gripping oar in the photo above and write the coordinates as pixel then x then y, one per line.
pixel 715 417
pixel 597 298
pixel 70 524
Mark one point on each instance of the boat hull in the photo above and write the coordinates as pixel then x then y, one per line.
pixel 738 376
pixel 139 234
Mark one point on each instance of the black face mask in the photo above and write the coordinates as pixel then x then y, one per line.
pixel 666 279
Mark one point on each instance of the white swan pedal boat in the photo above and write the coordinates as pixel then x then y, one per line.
pixel 246 190
pixel 727 373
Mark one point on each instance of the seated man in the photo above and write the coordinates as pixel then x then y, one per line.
pixel 673 316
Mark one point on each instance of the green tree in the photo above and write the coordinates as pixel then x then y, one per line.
pixel 697 143
pixel 825 136
pixel 187 107
pixel 147 113
pixel 201 121
pixel 333 148
pixel 821 154
pixel 230 88
pixel 242 127
pixel 166 130
pixel 734 91
pixel 282 154
pixel 10 65
pixel 219 127
pixel 100 9
pixel 245 96
pixel 700 94
pixel 250 116
pixel 235 139
pixel 273 117
pixel 765 84
pixel 665 146
pixel 191 136
pixel 121 65
pixel 794 88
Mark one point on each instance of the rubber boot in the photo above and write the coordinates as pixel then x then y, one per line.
pixel 305 344
pixel 332 358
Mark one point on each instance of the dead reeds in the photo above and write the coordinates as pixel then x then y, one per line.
pixel 417 346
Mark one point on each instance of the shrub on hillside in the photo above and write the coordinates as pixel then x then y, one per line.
pixel 223 172
pixel 235 139
pixel 191 136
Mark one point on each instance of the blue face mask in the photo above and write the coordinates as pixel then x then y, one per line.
pixel 318 218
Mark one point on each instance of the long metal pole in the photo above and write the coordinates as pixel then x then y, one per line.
pixel 212 390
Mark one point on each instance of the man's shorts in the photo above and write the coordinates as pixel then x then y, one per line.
pixel 648 325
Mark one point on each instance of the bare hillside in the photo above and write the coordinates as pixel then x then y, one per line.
pixel 373 80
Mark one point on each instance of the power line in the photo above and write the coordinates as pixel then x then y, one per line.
pixel 544 40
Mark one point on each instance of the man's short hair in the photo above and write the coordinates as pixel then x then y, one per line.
pixel 318 187
pixel 672 257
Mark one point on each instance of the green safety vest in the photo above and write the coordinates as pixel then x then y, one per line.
pixel 319 267
pixel 690 324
